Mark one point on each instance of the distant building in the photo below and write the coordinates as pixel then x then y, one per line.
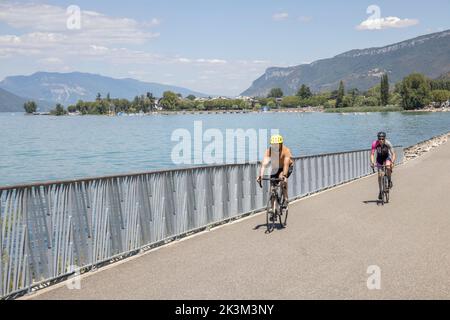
pixel 157 104
pixel 245 98
pixel 220 98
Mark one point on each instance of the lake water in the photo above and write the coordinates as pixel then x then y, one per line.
pixel 40 148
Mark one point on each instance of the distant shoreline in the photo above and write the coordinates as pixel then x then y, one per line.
pixel 284 110
pixel 177 112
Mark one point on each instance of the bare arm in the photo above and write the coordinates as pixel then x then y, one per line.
pixel 264 163
pixel 372 153
pixel 394 155
pixel 287 163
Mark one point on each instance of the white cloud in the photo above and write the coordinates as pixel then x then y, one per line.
pixel 100 37
pixel 260 61
pixel 280 16
pixel 216 61
pixel 92 13
pixel 183 60
pixel 199 61
pixel 95 27
pixel 152 23
pixel 114 45
pixel 9 52
pixel 51 61
pixel 211 61
pixel 386 23
pixel 45 34
pixel 98 48
pixel 304 19
pixel 209 72
pixel 11 39
pixel 34 16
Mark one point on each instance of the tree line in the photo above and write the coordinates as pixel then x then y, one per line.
pixel 143 103
pixel 415 91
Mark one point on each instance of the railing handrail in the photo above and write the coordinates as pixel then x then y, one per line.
pixel 156 171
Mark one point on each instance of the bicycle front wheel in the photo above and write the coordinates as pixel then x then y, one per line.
pixel 286 212
pixel 386 189
pixel 270 215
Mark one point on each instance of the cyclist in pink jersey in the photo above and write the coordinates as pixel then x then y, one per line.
pixel 385 155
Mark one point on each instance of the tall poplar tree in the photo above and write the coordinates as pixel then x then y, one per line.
pixel 340 95
pixel 384 91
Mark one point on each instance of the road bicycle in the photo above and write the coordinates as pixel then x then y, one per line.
pixel 384 186
pixel 275 210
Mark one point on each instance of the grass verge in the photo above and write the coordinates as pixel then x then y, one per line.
pixel 364 109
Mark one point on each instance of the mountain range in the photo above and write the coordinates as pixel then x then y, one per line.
pixel 10 102
pixel 68 88
pixel 362 69
pixel 444 76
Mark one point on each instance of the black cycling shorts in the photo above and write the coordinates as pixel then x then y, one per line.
pixel 276 175
pixel 382 159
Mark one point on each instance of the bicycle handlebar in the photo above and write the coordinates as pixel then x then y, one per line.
pixel 269 179
pixel 378 166
pixel 272 179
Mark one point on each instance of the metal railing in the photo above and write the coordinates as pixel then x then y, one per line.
pixel 48 228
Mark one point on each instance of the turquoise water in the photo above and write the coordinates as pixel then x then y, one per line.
pixel 40 148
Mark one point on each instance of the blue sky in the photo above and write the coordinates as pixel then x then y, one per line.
pixel 215 46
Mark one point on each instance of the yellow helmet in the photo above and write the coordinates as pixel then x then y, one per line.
pixel 276 139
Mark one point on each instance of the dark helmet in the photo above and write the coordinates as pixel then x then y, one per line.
pixel 381 134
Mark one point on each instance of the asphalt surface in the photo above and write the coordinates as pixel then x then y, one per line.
pixel 324 253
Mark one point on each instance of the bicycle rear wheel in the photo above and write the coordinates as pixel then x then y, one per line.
pixel 283 211
pixel 382 190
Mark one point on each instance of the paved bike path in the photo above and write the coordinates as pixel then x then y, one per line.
pixel 331 240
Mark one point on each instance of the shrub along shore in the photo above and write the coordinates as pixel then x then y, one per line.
pixel 365 109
